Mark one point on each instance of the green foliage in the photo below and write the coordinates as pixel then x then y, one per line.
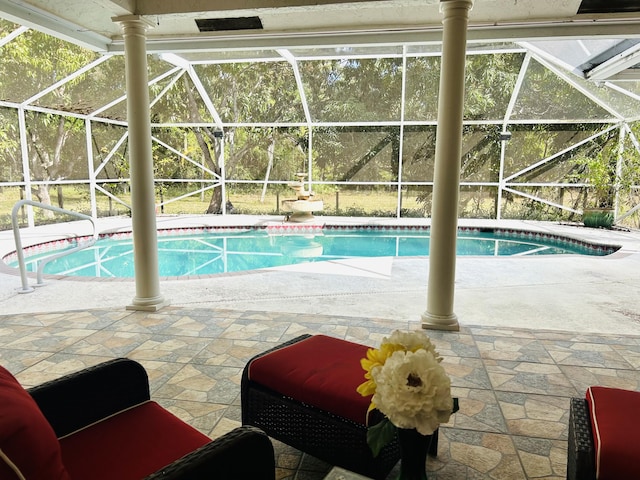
pixel 545 96
pixel 422 87
pixel 522 208
pixel 380 435
pixel 33 61
pixel 609 168
pixel 353 89
pixel 601 174
pixel 489 83
pixel 252 97
pixel 598 218
pixel 10 164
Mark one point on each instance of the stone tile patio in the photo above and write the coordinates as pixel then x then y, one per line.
pixel 514 384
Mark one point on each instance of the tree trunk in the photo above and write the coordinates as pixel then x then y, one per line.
pixel 46 165
pixel 44 197
pixel 215 204
pixel 60 197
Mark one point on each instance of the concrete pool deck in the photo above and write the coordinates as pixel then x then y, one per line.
pixel 560 292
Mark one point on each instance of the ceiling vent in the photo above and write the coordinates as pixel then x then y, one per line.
pixel 224 24
pixel 609 6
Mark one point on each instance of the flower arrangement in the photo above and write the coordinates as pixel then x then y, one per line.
pixel 409 386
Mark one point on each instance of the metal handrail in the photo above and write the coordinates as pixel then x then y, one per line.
pixel 18 241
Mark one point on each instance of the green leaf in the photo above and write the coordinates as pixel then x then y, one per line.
pixel 379 435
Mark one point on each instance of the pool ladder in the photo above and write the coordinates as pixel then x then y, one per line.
pixel 18 241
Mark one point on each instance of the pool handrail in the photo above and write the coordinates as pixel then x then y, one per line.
pixel 18 241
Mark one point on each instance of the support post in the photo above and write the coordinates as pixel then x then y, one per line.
pixel 446 183
pixel 145 235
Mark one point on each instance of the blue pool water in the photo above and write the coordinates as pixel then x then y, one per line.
pixel 207 252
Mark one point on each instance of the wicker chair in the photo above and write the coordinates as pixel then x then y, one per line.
pixel 580 453
pixel 604 434
pixel 108 408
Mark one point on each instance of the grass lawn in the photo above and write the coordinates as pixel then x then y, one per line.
pixel 248 200
pixel 76 198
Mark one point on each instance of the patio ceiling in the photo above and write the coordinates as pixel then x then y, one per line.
pixel 598 39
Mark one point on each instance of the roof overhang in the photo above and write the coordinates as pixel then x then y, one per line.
pixel 287 24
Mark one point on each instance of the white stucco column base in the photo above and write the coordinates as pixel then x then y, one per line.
pixel 431 321
pixel 152 304
pixel 446 178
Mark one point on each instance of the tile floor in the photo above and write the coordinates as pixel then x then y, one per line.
pixel 514 384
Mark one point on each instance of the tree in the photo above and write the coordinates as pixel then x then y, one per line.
pixel 244 92
pixel 30 63
pixel 48 135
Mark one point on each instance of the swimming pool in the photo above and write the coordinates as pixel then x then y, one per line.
pixel 209 251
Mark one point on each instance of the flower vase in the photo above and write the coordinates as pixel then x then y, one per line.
pixel 413 454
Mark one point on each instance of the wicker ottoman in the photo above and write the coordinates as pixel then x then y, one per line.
pixel 604 431
pixel 303 393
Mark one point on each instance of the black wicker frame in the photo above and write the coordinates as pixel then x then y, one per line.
pixel 74 401
pixel 331 438
pixel 79 399
pixel 580 452
pixel 226 459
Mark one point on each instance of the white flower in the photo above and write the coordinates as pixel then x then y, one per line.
pixel 413 390
pixel 412 341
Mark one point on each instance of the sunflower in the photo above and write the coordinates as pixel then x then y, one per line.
pixel 397 342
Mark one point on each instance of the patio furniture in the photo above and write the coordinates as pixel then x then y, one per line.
pixel 303 393
pixel 100 424
pixel 604 434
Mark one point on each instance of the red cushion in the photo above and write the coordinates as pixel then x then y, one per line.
pixel 130 445
pixel 321 371
pixel 28 445
pixel 616 432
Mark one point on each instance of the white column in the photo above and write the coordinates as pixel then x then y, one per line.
pixel 446 183
pixel 143 216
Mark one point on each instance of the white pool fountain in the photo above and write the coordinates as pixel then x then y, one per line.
pixel 302 207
